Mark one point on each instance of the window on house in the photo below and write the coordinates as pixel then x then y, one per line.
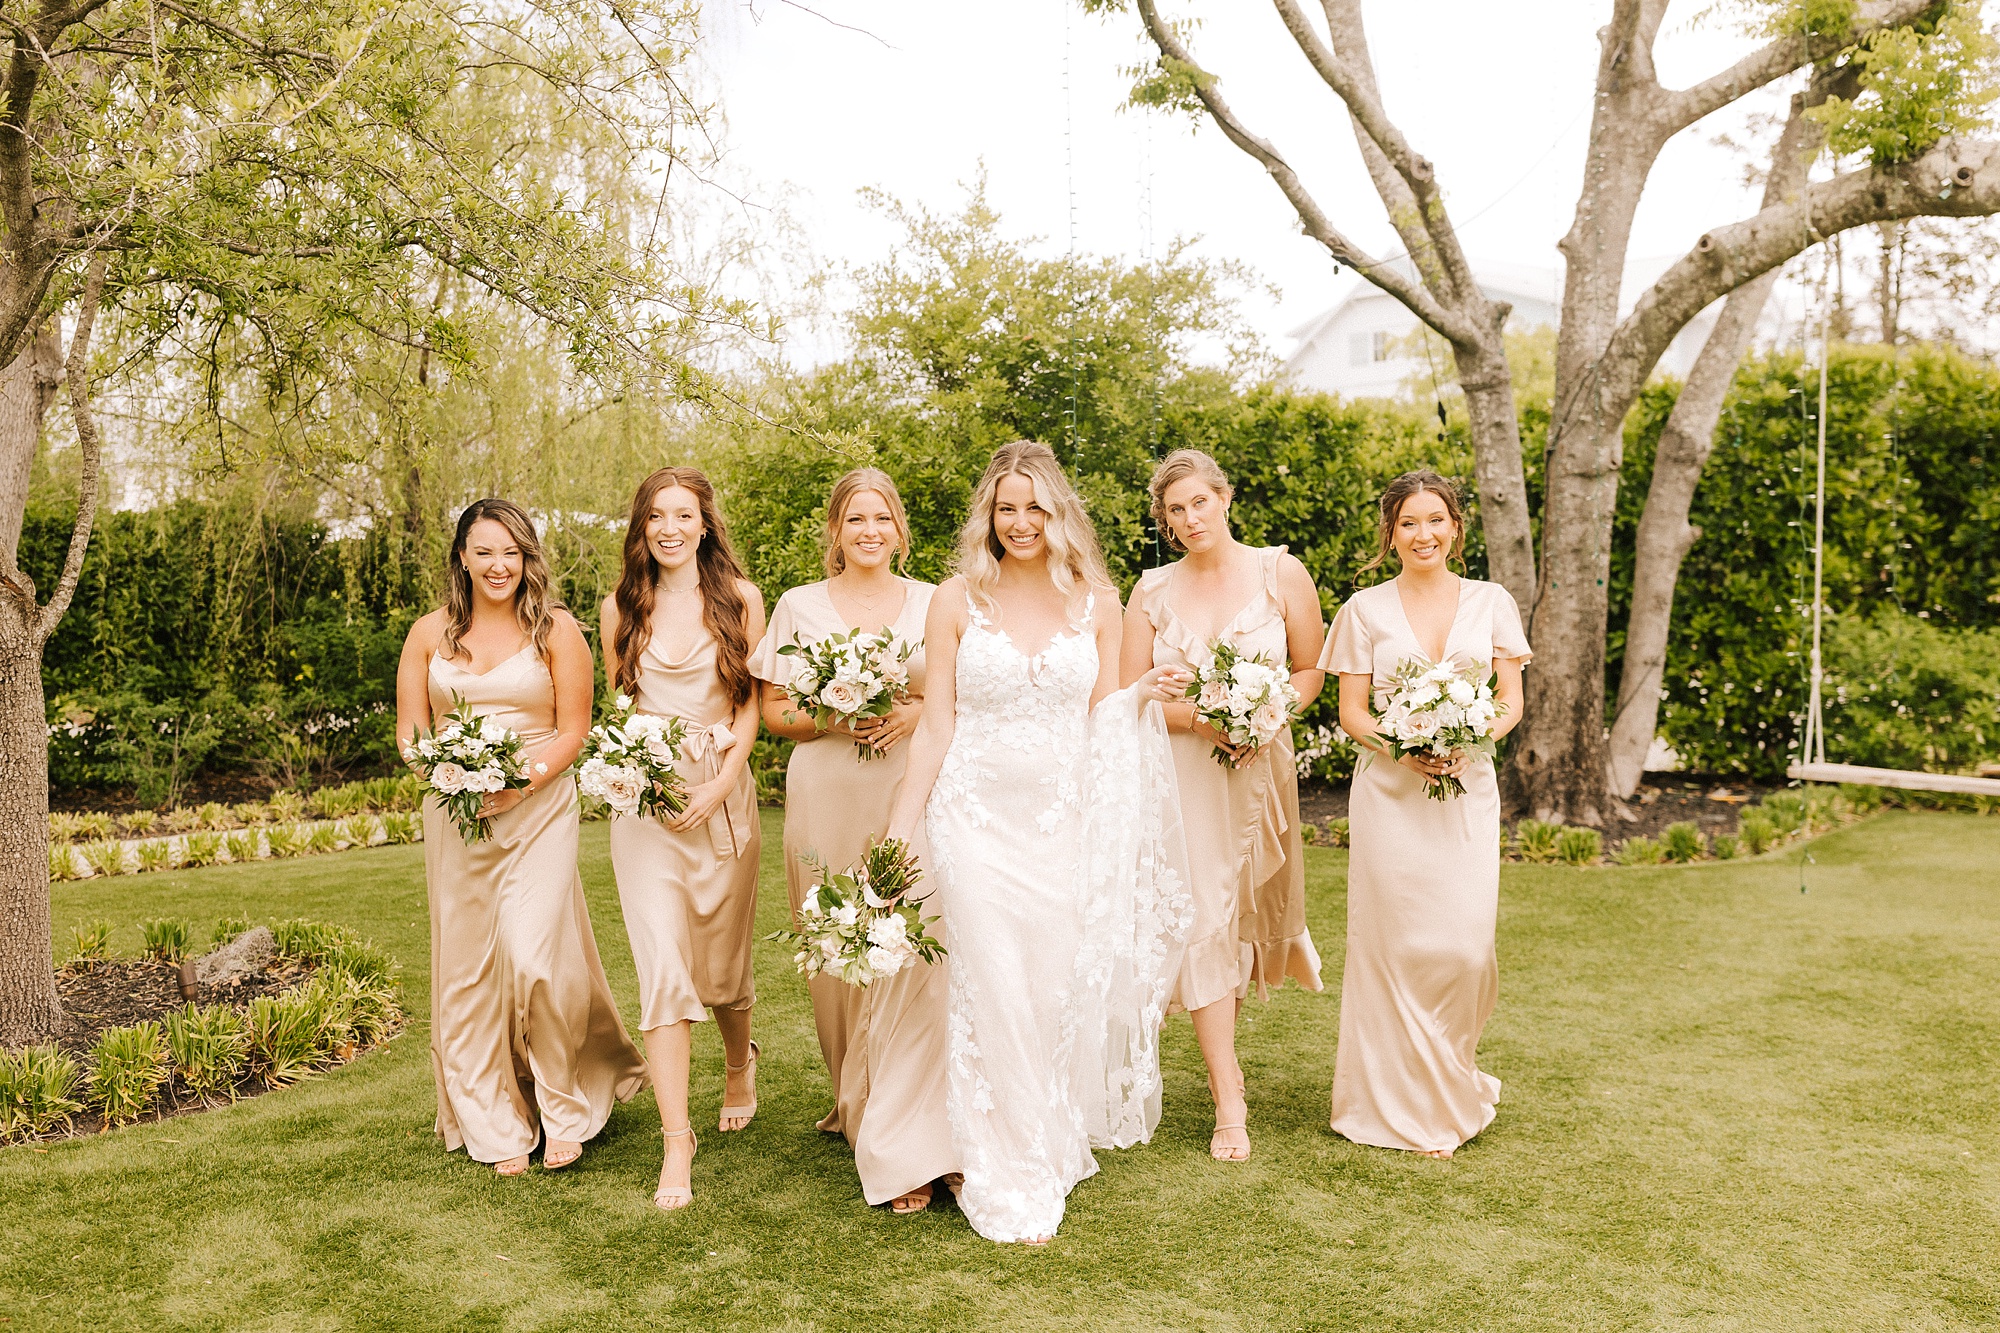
pixel 1379 346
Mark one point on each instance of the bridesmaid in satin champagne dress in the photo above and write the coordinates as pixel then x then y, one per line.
pixel 1423 876
pixel 1245 850
pixel 678 633
pixel 526 1042
pixel 884 1044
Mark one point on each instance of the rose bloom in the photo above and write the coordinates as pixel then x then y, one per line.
pixel 888 931
pixel 448 778
pixel 1418 727
pixel 1269 718
pixel 886 962
pixel 895 672
pixel 1448 715
pixel 1426 692
pixel 659 750
pixel 622 787
pixel 1213 696
pixel 1460 690
pixel 846 913
pixel 843 696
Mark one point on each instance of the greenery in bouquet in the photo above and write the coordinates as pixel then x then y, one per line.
pixel 628 762
pixel 1439 709
pixel 1247 698
pixel 467 759
pixel 847 677
pixel 862 924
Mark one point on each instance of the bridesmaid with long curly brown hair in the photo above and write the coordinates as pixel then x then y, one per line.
pixel 678 633
pixel 526 1042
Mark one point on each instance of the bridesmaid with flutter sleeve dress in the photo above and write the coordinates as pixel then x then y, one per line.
pixel 1423 875
pixel 885 1044
pixel 678 634
pixel 526 1042
pixel 1245 850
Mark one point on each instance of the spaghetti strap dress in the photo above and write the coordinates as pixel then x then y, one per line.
pixel 884 1044
pixel 1423 894
pixel 525 1037
pixel 1245 849
pixel 690 898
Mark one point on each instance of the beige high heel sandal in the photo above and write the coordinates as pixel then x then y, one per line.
pixel 672 1198
pixel 743 1113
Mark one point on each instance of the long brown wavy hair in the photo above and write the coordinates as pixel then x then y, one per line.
pixel 535 602
pixel 723 609
pixel 1396 495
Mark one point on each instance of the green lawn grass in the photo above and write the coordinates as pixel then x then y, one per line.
pixel 1728 1105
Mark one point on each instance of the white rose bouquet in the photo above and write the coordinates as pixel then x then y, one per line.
pixel 846 677
pixel 627 761
pixel 862 925
pixel 466 760
pixel 1247 699
pixel 1439 708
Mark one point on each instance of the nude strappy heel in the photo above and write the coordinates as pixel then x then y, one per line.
pixel 671 1198
pixel 743 1113
pixel 1228 1152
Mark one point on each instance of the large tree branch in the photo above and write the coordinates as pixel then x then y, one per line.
pixel 1317 225
pixel 77 371
pixel 1780 57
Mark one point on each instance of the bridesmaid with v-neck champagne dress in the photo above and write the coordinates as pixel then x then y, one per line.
pixel 885 1043
pixel 526 1042
pixel 1241 818
pixel 678 635
pixel 1423 875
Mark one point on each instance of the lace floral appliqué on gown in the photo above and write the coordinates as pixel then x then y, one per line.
pixel 1056 845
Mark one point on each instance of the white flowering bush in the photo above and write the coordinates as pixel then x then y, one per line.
pixel 469 758
pixel 1439 709
pixel 1248 699
pixel 863 924
pixel 627 762
pixel 846 677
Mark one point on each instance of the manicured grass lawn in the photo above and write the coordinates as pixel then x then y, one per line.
pixel 1728 1106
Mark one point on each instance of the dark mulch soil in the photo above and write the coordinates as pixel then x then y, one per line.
pixel 1663 799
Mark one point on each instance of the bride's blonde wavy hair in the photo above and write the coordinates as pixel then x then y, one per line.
pixel 1076 563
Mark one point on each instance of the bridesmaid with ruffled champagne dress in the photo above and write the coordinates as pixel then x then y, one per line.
pixel 1245 850
pixel 884 1044
pixel 1423 875
pixel 526 1042
pixel 678 634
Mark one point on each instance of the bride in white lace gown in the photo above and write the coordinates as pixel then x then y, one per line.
pixel 1054 851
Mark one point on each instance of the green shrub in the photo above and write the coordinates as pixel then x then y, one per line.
pixel 213 815
pixel 284 1036
pixel 64 863
pixel 357 1011
pixel 1535 840
pixel 166 938
pixel 202 849
pixel 1863 800
pixel 90 942
pixel 1579 846
pixel 180 820
pixel 359 830
pixel 141 822
pixel 286 839
pixel 64 827
pixel 38 1090
pixel 1338 832
pixel 94 824
pixel 308 941
pixel 1786 810
pixel 1758 833
pixel 105 858
pixel 1683 841
pixel 209 1047
pixel 156 854
pixel 128 1066
pixel 284 806
pixel 1640 852
pixel 402 828
pixel 252 813
pixel 1911 693
pixel 243 846
pixel 227 929
pixel 359 959
pixel 1724 847
pixel 322 837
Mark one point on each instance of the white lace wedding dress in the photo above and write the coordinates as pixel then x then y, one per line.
pixel 1056 852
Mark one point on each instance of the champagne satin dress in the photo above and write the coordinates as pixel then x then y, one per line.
pixel 690 899
pixel 1245 849
pixel 525 1037
pixel 1423 893
pixel 885 1044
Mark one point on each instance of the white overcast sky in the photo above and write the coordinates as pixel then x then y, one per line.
pixel 1497 94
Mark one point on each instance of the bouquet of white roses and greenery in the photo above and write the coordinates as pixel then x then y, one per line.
pixel 1437 708
pixel 1246 698
pixel 846 677
pixel 862 924
pixel 466 760
pixel 627 762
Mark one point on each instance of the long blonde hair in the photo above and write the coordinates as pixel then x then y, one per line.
pixel 854 483
pixel 1076 564
pixel 535 602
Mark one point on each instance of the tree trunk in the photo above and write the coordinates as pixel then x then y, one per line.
pixel 29 1009
pixel 1665 534
pixel 27 387
pixel 1503 484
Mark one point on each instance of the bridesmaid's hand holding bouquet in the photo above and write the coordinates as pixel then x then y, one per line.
pixel 847 678
pixel 1247 700
pixel 1438 712
pixel 628 762
pixel 862 925
pixel 468 758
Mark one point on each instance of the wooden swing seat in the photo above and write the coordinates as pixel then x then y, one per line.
pixel 1895 777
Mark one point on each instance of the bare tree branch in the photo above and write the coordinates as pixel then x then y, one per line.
pixel 1780 57
pixel 77 371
